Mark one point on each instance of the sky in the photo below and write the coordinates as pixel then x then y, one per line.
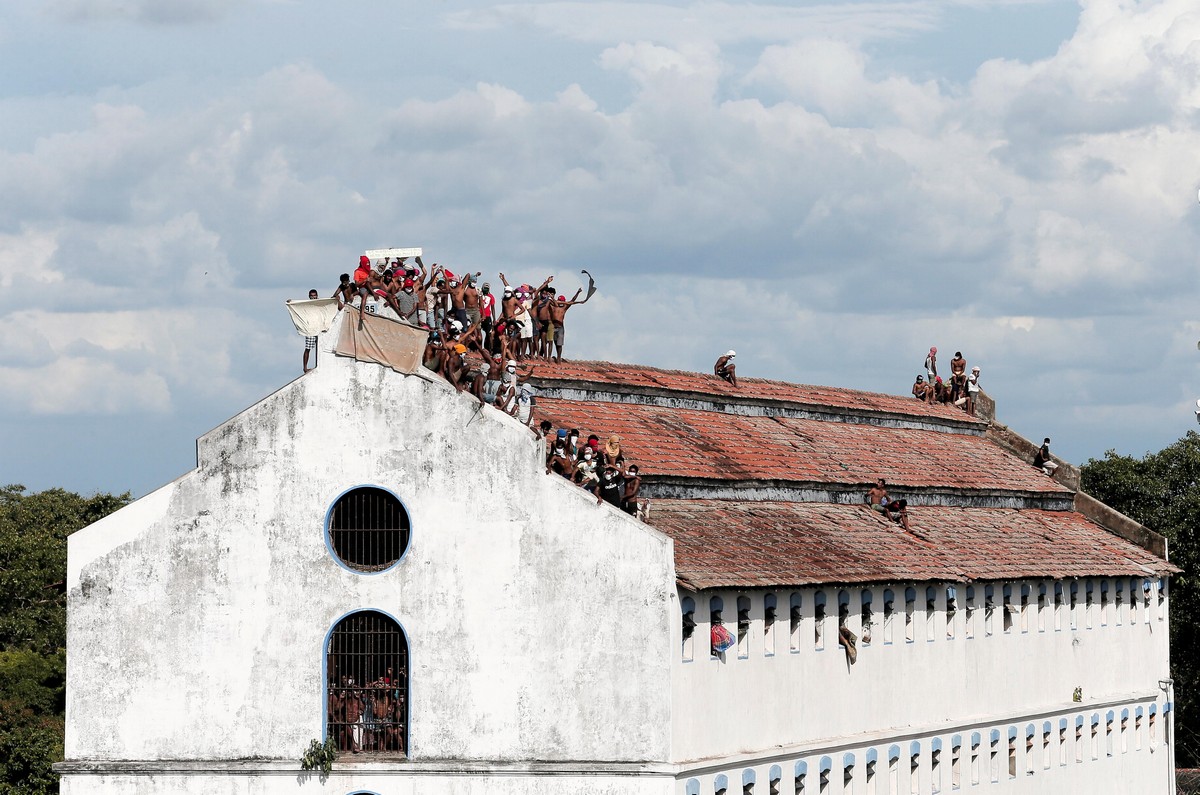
pixel 829 188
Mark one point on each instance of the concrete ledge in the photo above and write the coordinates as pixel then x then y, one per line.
pixel 1067 474
pixel 665 487
pixel 1121 525
pixel 394 766
pixel 837 745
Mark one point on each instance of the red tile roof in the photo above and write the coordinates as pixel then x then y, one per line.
pixel 737 544
pixel 607 374
pixel 709 444
pixel 746 542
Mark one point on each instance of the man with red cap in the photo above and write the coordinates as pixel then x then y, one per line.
pixel 558 313
pixel 407 301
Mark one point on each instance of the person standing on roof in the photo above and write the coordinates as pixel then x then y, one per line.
pixel 931 365
pixel 633 484
pixel 724 368
pixel 958 376
pixel 555 331
pixel 310 343
pixel 972 390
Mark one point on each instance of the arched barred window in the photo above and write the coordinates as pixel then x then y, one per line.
pixel 366 664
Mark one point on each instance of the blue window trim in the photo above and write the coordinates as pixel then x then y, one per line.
pixel 748 776
pixel 721 782
pixel 323 694
pixel 775 774
pixel 329 537
pixel 692 787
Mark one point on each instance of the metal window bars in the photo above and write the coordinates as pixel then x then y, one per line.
pixel 368 529
pixel 367 667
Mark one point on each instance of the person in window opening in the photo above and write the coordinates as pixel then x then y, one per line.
pixel 337 714
pixel 353 727
pixel 1043 460
pixel 725 368
pixel 310 343
pixel 609 487
pixel 633 484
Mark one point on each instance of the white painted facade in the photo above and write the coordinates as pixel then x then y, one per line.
pixel 546 651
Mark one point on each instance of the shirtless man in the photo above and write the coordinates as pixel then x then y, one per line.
pixel 921 390
pixel 458 301
pixel 557 311
pixel 560 461
pixel 725 368
pixel 958 376
pixel 353 728
pixel 877 497
pixel 471 300
pixel 633 485
pixel 344 292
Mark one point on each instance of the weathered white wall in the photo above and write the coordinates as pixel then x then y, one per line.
pixel 342 782
pixel 1141 765
pixel 806 695
pixel 538 621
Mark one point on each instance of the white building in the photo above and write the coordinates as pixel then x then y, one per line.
pixel 359 519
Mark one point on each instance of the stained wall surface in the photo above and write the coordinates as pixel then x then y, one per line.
pixel 198 614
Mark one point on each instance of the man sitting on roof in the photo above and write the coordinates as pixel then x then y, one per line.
pixel 724 368
pixel 921 390
pixel 1043 460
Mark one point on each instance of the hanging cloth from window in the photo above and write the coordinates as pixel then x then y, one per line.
pixel 313 317
pixel 722 639
pixel 388 342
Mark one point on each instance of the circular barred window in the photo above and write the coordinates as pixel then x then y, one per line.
pixel 368 529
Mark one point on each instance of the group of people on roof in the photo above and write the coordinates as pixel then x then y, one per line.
pixel 962 390
pixel 893 510
pixel 598 468
pixel 522 323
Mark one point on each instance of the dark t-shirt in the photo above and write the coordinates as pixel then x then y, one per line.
pixel 611 491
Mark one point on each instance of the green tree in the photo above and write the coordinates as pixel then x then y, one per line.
pixel 1162 491
pixel 33 610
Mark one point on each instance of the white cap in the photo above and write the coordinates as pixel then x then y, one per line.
pixel 730 353
pixel 511 363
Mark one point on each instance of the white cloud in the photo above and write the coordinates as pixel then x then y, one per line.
pixel 768 183
pixel 155 12
pixel 716 22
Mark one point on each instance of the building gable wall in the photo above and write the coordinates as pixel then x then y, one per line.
pixel 197 615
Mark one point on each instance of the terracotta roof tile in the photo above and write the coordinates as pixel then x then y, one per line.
pixel 726 543
pixel 708 444
pixel 608 373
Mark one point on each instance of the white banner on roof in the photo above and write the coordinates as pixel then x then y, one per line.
pixel 376 254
